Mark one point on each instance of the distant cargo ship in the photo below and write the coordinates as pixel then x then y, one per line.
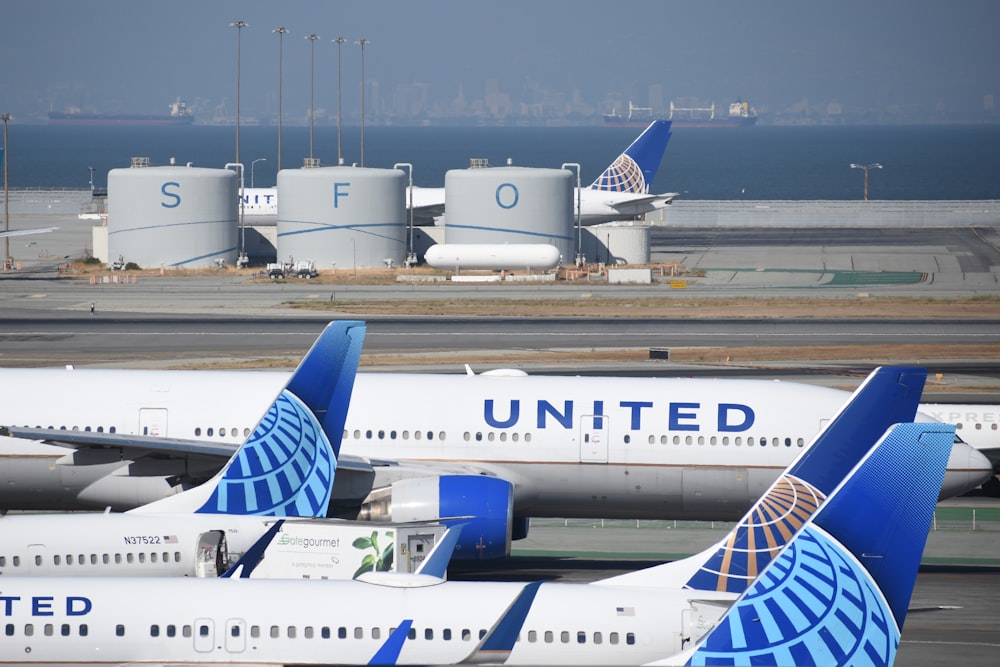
pixel 179 115
pixel 741 114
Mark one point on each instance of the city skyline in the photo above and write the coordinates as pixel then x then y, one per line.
pixel 555 61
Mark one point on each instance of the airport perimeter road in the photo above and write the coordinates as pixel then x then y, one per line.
pixel 100 338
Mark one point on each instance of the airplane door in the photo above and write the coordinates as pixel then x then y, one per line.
pixel 236 635
pixel 212 556
pixel 593 439
pixel 204 635
pixel 153 421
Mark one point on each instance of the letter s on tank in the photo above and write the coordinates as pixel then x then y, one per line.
pixel 172 195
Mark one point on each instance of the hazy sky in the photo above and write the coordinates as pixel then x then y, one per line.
pixel 135 55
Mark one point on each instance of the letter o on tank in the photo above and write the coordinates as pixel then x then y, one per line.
pixel 507 195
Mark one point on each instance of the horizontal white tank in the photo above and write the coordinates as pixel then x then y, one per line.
pixel 184 217
pixel 492 256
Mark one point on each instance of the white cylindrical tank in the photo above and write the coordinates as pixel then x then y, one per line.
pixel 499 205
pixel 180 217
pixel 492 256
pixel 348 217
pixel 613 244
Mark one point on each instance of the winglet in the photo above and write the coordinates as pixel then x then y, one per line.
pixel 252 557
pixel 634 170
pixel 838 592
pixel 286 467
pixel 889 395
pixel 436 562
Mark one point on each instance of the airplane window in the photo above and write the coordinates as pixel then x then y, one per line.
pixel 979 427
pixel 503 436
pixel 233 432
pixel 29 629
pixel 428 633
pixel 64 629
pixel 627 438
pixel 651 439
pixel 93 559
pixel 532 636
pixel 359 633
pixel 171 630
pixel 466 436
pixel 368 434
pixel 197 431
pixel 687 440
pixel 411 633
pixel 81 560
pixel 376 633
pixel 152 557
pixel 788 442
pixel 775 442
pixel 9 629
pixel 234 630
pixel 581 637
pixel 142 556
pixel 100 429
pixel 86 429
pixel 613 638
pixel 341 632
pixel 701 440
pixel 677 439
pixel 466 634
pixel 307 632
pixel 324 632
pixel 406 435
pixel 630 638
pixel 112 430
pixel 69 559
pixel 527 437
pixel 154 631
pixel 763 442
pixel 564 637
pixel 15 561
pixel 222 431
pixel 3 561
pixel 417 435
pixel 479 437
pixel 255 631
pixel 490 436
pixel 210 431
pixel 597 638
pixel 56 560
pixel 713 441
pixel 84 630
pixel 381 435
pixel 203 630
pixel 38 559
pixel 392 435
pixel 514 437
pixel 186 631
pixel 739 441
pixel 75 427
pixel 275 632
pixel 166 556
pixel 130 558
pixel 357 434
pixel 446 634
pixel 48 630
pixel 548 636
pixel 482 633
pixel 800 442
pixel 440 436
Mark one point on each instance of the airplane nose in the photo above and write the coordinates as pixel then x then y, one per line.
pixel 967 469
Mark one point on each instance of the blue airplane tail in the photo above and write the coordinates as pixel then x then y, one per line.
pixel 837 594
pixel 890 395
pixel 634 170
pixel 286 466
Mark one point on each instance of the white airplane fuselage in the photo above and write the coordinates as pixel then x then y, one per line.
pixel 295 622
pixel 571 446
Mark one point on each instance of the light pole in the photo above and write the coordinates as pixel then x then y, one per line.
pixel 312 47
pixel 363 42
pixel 6 209
pixel 340 152
pixel 281 30
pixel 239 25
pixel 252 163
pixel 579 228
pixel 866 167
pixel 91 170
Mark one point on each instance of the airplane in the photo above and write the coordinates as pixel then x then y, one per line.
pixel 818 586
pixel 284 468
pixel 976 424
pixel 502 447
pixel 621 192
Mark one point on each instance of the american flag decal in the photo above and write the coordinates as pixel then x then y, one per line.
pixel 625 611
pixel 170 539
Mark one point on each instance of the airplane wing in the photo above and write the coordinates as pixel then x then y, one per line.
pixel 428 205
pixel 637 204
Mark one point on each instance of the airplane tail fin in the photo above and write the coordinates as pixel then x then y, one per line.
pixel 837 594
pixel 286 467
pixel 889 395
pixel 633 170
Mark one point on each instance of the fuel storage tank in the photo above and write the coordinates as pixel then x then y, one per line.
pixel 509 205
pixel 348 217
pixel 180 217
pixel 617 244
